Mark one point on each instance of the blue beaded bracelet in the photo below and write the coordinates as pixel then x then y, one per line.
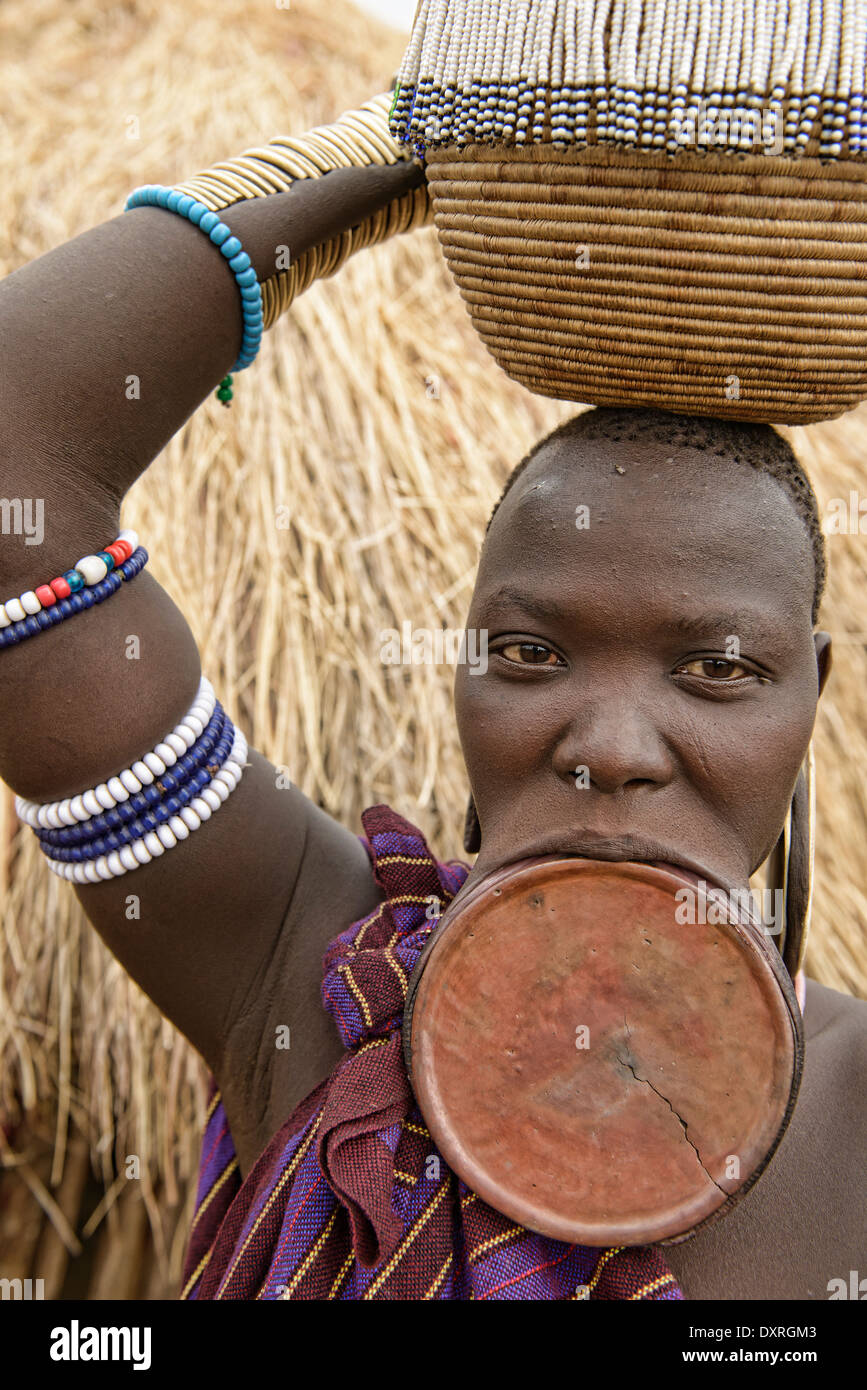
pixel 151 819
pixel 75 603
pixel 171 782
pixel 157 195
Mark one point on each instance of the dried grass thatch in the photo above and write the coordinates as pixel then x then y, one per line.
pixel 375 415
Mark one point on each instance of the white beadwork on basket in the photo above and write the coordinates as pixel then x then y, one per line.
pixel 782 75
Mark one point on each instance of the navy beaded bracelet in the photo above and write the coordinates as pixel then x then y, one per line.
pixel 35 623
pixel 151 806
pixel 152 818
pixel 171 782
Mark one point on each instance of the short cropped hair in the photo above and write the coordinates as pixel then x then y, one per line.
pixel 742 441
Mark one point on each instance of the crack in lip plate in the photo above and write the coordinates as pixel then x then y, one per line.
pixel 568 1141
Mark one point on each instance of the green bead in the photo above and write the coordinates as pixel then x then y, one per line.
pixel 224 395
pixel 226 382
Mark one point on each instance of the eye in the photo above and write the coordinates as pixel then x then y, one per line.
pixel 529 654
pixel 713 668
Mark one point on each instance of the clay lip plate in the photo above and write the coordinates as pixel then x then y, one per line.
pixel 592 1068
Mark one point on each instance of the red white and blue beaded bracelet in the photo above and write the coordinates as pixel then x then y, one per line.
pixel 92 580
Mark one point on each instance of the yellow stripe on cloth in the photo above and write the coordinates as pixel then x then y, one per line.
pixel 652 1287
pixel 396 966
pixel 389 902
pixel 195 1276
pixel 439 1279
pixel 369 923
pixel 346 971
pixel 284 1177
pixel 344 1270
pixel 402 859
pixel 311 1256
pixel 213 1105
pixel 603 1260
pixel 407 1241
pixel 493 1243
pixel 374 1042
pixel 230 1168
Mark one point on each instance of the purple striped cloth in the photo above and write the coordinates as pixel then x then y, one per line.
pixel 351 1199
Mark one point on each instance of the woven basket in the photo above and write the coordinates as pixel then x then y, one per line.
pixel 706 284
pixel 621 227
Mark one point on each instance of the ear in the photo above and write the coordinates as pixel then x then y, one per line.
pixel 472 829
pixel 799 839
pixel 823 657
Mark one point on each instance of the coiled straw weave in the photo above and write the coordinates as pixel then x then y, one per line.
pixel 653 202
pixel 359 137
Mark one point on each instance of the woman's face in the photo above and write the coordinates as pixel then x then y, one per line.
pixel 652 673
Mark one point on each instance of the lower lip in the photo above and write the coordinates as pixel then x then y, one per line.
pixel 693 875
pixel 506 872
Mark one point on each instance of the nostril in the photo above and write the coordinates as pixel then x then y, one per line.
pixel 607 784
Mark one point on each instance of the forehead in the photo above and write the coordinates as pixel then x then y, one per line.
pixel 636 520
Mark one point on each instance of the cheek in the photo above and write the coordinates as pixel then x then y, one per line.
pixel 501 733
pixel 744 760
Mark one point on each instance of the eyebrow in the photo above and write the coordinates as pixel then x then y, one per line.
pixel 533 604
pixel 748 624
pixel 751 625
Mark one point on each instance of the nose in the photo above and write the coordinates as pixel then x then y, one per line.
pixel 617 743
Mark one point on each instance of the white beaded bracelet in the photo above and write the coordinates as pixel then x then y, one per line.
pixel 76 809
pixel 166 836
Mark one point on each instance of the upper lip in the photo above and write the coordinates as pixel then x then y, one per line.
pixel 630 846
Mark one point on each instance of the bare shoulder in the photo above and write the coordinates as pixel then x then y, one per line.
pixel 832 1018
pixel 835 1068
pixel 804 1223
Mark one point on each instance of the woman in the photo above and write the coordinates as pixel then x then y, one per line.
pixel 608 648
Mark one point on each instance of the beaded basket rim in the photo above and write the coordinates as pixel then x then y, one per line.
pixel 633 74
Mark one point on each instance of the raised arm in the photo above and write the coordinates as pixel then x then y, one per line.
pixel 147 295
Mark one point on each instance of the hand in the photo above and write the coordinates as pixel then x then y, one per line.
pixel 313 211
